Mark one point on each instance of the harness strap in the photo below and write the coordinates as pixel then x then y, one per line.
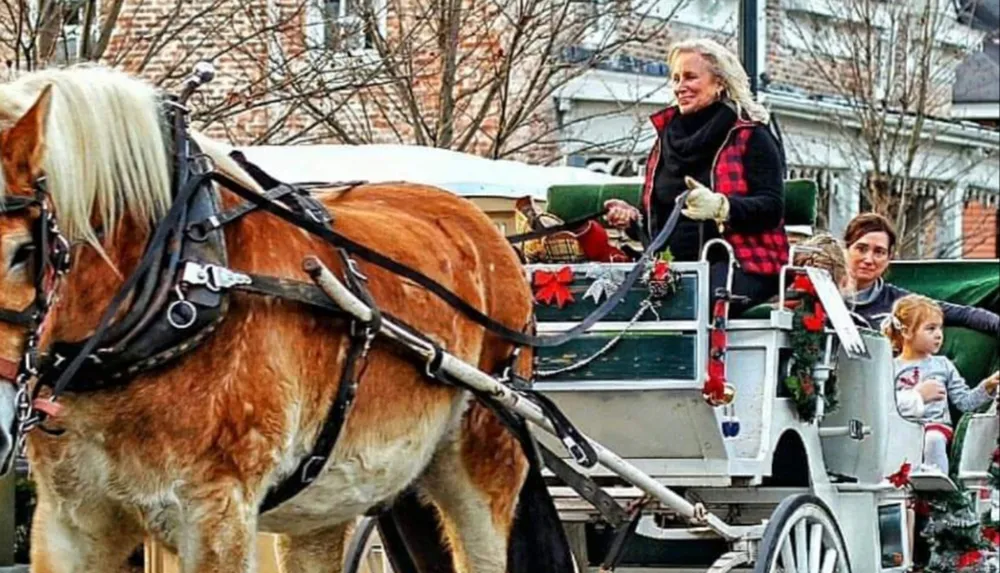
pixel 289 289
pixel 623 534
pixel 579 447
pixel 310 466
pixel 612 512
pixel 294 196
pixel 199 230
pixel 360 340
pixel 19 318
pixel 334 238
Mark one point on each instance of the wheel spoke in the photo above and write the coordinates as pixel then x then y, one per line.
pixel 829 560
pixel 801 547
pixel 787 558
pixel 815 547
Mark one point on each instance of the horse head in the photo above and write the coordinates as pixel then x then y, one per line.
pixel 21 149
pixel 84 163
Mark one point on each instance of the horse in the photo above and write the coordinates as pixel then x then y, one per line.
pixel 184 453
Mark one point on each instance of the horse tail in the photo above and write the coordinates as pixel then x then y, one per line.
pixel 537 541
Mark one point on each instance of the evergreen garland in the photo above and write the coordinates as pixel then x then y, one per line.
pixel 808 342
pixel 954 533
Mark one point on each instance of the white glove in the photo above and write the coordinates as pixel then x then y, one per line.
pixel 703 204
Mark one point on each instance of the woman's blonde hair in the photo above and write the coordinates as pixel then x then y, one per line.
pixel 908 313
pixel 727 69
pixel 823 251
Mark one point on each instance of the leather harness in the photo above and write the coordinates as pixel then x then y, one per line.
pixel 178 296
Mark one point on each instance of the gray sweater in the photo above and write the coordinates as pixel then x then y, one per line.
pixel 910 373
pixel 875 303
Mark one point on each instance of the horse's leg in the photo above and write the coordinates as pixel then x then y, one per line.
pixel 316 552
pixel 219 533
pixel 59 545
pixel 474 480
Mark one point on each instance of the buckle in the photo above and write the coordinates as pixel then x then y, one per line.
pixel 311 469
pixel 213 277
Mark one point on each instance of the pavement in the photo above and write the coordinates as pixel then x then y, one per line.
pixel 14 569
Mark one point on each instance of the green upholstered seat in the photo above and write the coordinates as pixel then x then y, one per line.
pixel 570 202
pixel 800 202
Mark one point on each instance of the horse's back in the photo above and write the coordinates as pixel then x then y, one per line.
pixel 438 233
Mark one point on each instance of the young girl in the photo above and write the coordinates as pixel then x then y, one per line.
pixel 925 383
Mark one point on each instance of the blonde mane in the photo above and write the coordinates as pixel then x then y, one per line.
pixel 106 150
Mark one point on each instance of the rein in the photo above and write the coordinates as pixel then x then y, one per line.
pixel 55 263
pixel 567 226
pixel 354 248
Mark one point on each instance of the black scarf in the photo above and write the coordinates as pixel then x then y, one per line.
pixel 690 143
pixel 688 148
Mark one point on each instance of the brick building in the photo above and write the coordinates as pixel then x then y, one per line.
pixel 307 71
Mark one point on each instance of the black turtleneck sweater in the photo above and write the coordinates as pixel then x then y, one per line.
pixel 688 147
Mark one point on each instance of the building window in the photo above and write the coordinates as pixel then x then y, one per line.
pixel 69 42
pixel 348 26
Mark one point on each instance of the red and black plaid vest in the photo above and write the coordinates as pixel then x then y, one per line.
pixel 760 253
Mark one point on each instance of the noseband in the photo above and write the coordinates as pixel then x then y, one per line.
pixel 51 262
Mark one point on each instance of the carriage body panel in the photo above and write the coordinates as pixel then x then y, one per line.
pixel 642 398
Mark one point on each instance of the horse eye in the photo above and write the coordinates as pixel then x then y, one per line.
pixel 22 255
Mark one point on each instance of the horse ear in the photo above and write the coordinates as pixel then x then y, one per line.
pixel 24 143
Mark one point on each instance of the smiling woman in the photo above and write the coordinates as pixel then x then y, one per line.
pixel 715 143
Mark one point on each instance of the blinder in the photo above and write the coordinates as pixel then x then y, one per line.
pixel 51 262
pixel 51 254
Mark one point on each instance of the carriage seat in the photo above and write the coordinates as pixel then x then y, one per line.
pixel 975 354
pixel 570 202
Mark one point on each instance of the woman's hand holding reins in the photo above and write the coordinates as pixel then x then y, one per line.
pixel 620 214
pixel 703 204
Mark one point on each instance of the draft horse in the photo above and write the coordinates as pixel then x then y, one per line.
pixel 185 446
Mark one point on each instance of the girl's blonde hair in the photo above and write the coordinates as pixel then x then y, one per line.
pixel 908 313
pixel 825 252
pixel 727 69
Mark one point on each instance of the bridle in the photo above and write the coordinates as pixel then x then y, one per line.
pixel 51 263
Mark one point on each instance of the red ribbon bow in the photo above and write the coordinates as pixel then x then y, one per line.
pixel 815 321
pixel 661 270
pixel 551 286
pixel 902 477
pixel 802 283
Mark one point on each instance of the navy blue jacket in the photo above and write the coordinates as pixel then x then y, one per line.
pixel 954 314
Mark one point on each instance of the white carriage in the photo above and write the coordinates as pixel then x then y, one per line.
pixel 815 494
pixel 782 495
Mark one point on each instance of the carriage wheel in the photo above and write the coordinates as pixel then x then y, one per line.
pixel 802 537
pixel 363 555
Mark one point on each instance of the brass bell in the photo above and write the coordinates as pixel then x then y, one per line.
pixel 728 395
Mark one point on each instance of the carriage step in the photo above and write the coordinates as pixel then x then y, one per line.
pixel 730 561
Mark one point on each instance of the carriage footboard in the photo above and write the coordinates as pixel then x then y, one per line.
pixel 517 401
